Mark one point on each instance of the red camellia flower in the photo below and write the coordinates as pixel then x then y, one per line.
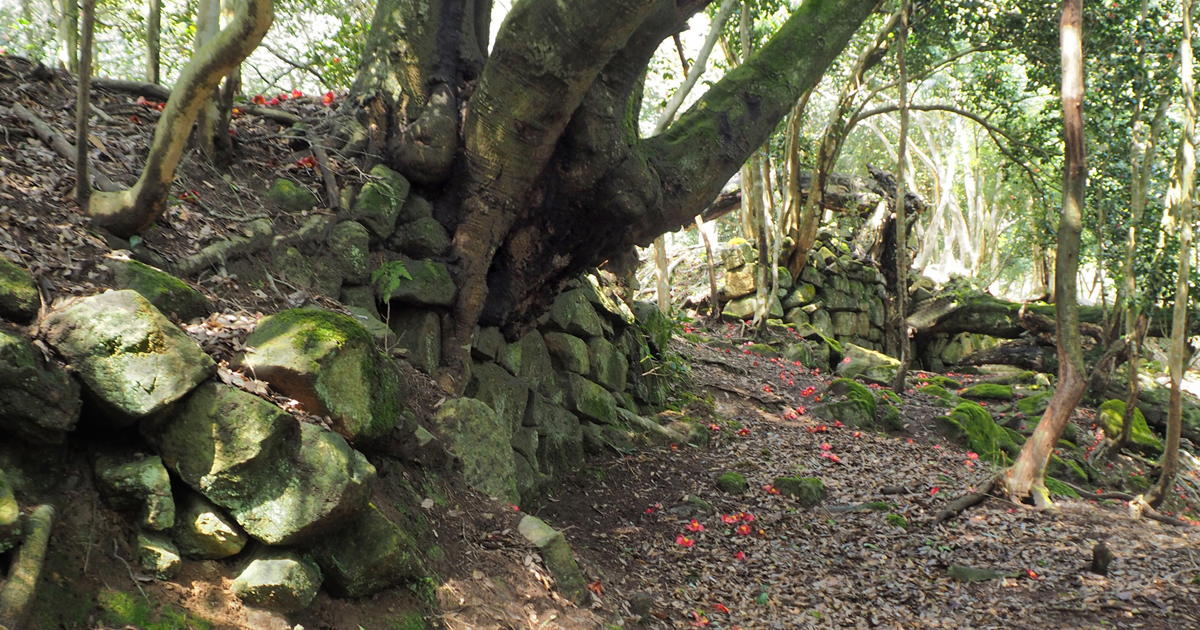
pixel 743 431
pixel 720 608
pixel 741 555
pixel 684 541
pixel 771 489
pixel 746 516
pixel 713 427
pixel 297 94
pixel 838 424
pixel 933 491
pixel 259 99
pixel 971 455
pixel 694 526
pixel 743 530
pixel 826 446
pixel 273 101
pixel 283 96
pixel 857 434
pixel 730 519
pixel 327 99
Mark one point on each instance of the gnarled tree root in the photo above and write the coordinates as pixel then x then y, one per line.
pixel 1138 504
pixel 959 505
pixel 17 593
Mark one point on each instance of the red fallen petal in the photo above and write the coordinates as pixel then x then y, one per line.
pixel 838 424
pixel 694 526
pixel 741 555
pixel 721 608
pixel 748 517
pixel 259 99
pixel 273 101
pixel 743 530
pixel 825 446
pixel 933 491
pixel 731 518
pixel 857 434
pixel 1031 574
pixel 297 94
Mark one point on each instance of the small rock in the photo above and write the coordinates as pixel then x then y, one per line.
pixel 807 490
pixel 19 299
pixel 1102 556
pixel 277 579
pixel 127 479
pixel 290 196
pixel 368 555
pixel 156 554
pixel 166 292
pixel 732 483
pixel 203 531
pixel 556 553
pixel 418 282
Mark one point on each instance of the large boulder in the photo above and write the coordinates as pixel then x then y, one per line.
pixel 859 362
pixel 556 553
pixel 606 301
pixel 283 481
pixel 559 435
pixel 18 294
pixel 203 531
pixel 588 399
pixel 290 196
pixel 569 352
pixel 422 238
pixel 329 363
pixel 506 394
pixel 419 334
pixel 608 366
pixel 349 244
pixel 529 360
pixel 132 359
pixel 741 282
pixel 131 480
pixel 380 202
pixel 1112 417
pixel 573 314
pixel 481 439
pixel 277 579
pixel 972 427
pixel 167 293
pixel 367 556
pixel 417 282
pixel 39 402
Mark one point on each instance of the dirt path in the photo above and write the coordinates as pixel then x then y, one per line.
pixel 825 567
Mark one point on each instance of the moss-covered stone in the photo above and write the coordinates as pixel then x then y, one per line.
pixel 167 293
pixel 890 418
pixel 867 364
pixel 487 344
pixel 39 402
pixel 128 354
pixel 277 579
pixel 608 367
pixel 203 531
pixel 657 327
pixel 568 352
pixel 529 360
pixel 329 363
pixel 381 201
pixel 419 282
pixel 556 553
pixel 349 243
pixel 987 391
pixel 157 555
pixel 741 281
pixel 130 480
pixel 10 516
pixel 732 483
pixel 803 293
pixel 943 397
pixel 1035 404
pixel 744 308
pixel 848 412
pixel 972 427
pixel 1110 417
pixel 419 334
pixel 423 238
pixel 588 399
pixel 856 392
pixel 18 294
pixel 573 314
pixel 290 196
pixel 504 393
pixel 807 490
pixel 479 437
pixel 1066 469
pixel 368 555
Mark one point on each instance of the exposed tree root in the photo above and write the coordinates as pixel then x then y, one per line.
pixel 959 505
pixel 18 591
pixel 1136 501
pixel 58 143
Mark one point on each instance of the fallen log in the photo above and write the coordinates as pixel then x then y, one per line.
pixel 1023 354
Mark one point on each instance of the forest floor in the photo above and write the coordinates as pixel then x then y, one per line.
pixel 627 514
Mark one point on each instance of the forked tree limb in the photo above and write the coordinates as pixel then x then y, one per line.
pixel 18 592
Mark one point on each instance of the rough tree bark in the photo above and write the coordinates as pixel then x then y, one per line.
pixel 83 100
pixel 68 35
pixel 546 175
pixel 1026 477
pixel 130 211
pixel 901 231
pixel 1181 194
pixel 153 39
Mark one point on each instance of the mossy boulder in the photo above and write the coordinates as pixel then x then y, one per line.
pixel 856 392
pixel 556 553
pixel 277 579
pixel 1034 404
pixel 987 391
pixel 368 555
pixel 740 282
pixel 202 531
pixel 127 479
pixel 487 344
pixel 607 301
pixel 19 299
pixel 972 427
pixel 1066 469
pixel 423 238
pixel 568 352
pixel 167 293
pixel 808 491
pixel 10 516
pixel 608 367
pixel 128 354
pixel 479 437
pixel 890 418
pixel 744 308
pixel 943 396
pixel 589 400
pixel 349 244
pixel 559 436
pixel 529 360
pixel 39 401
pixel 504 393
pixel 419 335
pixel 572 313
pixel 157 555
pixel 1110 417
pixel 283 481
pixel 657 327
pixel 417 282
pixel 328 362
pixel 381 201
pixel 867 364
pixel 732 483
pixel 803 293
pixel 290 196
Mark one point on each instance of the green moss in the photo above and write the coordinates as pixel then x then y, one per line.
pixel 878 506
pixel 891 418
pixel 316 327
pixel 937 391
pixel 1035 404
pixel 896 520
pixel 807 490
pixel 888 396
pixel 972 427
pixel 1110 418
pixel 944 381
pixel 435 554
pixel 126 609
pixel 987 391
pixel 1057 487
pixel 856 392
pixel 1066 469
pixel 732 483
pixel 407 621
pixel 290 196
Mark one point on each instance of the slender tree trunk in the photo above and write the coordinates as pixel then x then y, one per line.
pixel 68 35
pixel 128 212
pixel 208 24
pixel 153 39
pixel 1026 477
pixel 1183 207
pixel 664 283
pixel 902 262
pixel 714 300
pixel 83 100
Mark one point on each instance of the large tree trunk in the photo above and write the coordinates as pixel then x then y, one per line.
pixel 1026 477
pixel 546 175
pixel 901 296
pixel 1182 194
pixel 68 35
pixel 130 211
